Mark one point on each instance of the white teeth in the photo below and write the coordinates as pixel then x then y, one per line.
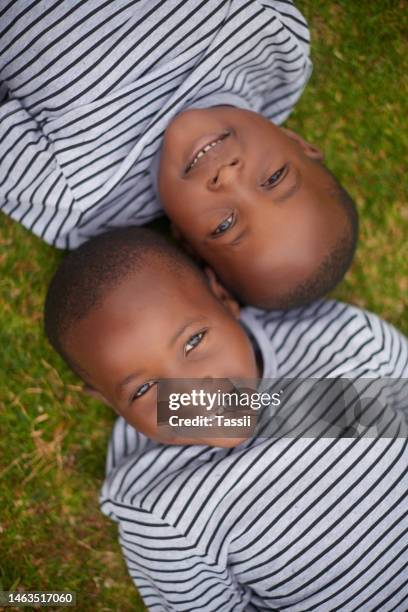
pixel 204 150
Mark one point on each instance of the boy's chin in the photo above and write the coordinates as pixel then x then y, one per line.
pixel 216 442
pixel 226 442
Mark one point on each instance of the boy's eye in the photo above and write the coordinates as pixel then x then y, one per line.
pixel 275 177
pixel 224 225
pixel 142 390
pixel 193 342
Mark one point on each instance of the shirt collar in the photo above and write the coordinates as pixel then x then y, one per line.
pixel 250 317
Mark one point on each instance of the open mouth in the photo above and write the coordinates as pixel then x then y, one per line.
pixel 202 149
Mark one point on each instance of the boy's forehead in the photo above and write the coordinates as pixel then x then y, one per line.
pixel 156 285
pixel 138 312
pixel 153 294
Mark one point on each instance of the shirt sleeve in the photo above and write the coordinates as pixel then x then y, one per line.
pixel 33 189
pixel 391 361
pixel 292 18
pixel 170 571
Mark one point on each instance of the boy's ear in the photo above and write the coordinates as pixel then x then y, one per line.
pixel 221 293
pixel 308 149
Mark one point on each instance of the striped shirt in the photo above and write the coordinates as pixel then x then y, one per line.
pixel 275 523
pixel 87 89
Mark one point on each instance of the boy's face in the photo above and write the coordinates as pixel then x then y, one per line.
pixel 159 324
pixel 251 199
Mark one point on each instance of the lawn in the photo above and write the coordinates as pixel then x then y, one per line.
pixel 53 439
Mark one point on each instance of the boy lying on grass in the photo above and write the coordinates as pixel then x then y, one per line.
pixel 228 524
pixel 87 94
pixel 257 204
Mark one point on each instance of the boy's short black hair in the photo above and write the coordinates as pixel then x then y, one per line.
pixel 87 274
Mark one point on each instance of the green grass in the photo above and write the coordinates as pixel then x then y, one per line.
pixel 53 440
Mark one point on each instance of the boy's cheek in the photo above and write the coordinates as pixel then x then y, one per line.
pixel 146 425
pixel 141 417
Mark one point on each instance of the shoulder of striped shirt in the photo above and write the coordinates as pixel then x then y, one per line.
pixel 397 350
pixel 374 324
pixel 122 509
pixel 382 358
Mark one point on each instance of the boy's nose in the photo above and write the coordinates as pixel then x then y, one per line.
pixel 225 174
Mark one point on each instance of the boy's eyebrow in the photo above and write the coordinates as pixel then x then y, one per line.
pixel 183 328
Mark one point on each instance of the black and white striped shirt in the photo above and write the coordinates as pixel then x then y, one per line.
pixel 274 524
pixel 88 87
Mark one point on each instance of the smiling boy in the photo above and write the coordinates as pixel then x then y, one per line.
pixel 87 93
pixel 227 525
pixel 255 202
